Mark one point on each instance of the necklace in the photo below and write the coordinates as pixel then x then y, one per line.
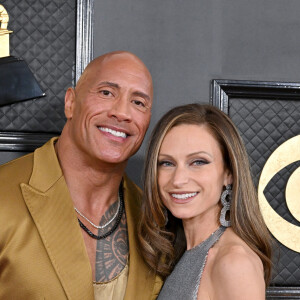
pixel 119 216
pixel 100 226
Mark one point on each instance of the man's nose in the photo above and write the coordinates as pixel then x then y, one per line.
pixel 120 110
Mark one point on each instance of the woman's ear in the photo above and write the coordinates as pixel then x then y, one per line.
pixel 69 103
pixel 228 178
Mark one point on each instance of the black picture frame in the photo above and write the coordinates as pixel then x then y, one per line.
pixel 28 142
pixel 222 91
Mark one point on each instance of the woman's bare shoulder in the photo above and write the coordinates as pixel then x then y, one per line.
pixel 237 270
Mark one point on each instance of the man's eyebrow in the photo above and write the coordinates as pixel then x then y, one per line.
pixel 136 93
pixel 112 84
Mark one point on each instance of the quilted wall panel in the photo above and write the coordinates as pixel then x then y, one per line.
pixel 265 125
pixel 44 36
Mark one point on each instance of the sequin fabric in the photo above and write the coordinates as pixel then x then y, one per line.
pixel 183 282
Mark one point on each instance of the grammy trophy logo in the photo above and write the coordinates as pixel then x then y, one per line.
pixel 285 232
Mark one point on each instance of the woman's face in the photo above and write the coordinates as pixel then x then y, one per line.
pixel 191 173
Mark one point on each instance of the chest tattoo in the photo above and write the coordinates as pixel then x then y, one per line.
pixel 111 252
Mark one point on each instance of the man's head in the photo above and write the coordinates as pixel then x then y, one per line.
pixel 109 111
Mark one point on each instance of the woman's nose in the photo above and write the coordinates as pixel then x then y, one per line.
pixel 180 176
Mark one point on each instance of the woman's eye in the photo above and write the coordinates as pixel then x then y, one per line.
pixel 165 163
pixel 199 162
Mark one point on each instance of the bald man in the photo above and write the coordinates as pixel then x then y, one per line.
pixel 68 213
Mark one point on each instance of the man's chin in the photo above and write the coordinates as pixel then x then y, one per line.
pixel 113 157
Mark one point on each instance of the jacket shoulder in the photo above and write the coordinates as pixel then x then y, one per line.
pixel 15 172
pixel 17 166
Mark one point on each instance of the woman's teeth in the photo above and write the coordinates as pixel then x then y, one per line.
pixel 184 196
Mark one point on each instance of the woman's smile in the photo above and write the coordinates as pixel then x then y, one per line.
pixel 183 197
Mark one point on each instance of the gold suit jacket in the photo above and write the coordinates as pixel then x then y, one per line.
pixel 42 252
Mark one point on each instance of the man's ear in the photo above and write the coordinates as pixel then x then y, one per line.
pixel 69 103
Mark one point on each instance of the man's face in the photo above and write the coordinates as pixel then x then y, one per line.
pixel 110 110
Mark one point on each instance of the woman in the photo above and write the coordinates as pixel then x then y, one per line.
pixel 201 210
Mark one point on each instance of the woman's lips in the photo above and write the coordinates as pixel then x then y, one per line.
pixel 183 197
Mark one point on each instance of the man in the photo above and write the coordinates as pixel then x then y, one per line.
pixel 68 214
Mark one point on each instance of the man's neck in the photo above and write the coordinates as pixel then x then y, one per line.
pixel 93 185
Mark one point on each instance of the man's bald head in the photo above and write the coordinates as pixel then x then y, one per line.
pixel 118 57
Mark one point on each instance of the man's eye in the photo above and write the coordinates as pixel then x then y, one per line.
pixel 105 92
pixel 139 103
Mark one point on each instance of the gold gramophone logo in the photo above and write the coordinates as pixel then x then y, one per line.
pixel 4 32
pixel 286 233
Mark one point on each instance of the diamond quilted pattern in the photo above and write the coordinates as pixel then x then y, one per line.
pixel 264 125
pixel 44 36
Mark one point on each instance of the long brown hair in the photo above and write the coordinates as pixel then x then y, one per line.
pixel 162 242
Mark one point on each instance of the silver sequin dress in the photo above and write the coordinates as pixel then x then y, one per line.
pixel 183 283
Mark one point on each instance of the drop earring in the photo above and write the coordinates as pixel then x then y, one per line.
pixel 226 202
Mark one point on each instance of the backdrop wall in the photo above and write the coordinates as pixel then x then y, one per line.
pixel 185 44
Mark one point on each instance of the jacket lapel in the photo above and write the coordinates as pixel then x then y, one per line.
pixel 48 200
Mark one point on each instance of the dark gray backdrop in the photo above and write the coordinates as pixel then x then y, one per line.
pixel 185 44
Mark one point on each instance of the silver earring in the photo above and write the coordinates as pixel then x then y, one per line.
pixel 226 205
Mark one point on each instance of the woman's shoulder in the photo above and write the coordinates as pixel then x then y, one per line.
pixel 234 255
pixel 234 250
pixel 237 269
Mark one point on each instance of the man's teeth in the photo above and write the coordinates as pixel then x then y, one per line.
pixel 184 196
pixel 113 132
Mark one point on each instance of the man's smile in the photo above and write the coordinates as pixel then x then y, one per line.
pixel 113 132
